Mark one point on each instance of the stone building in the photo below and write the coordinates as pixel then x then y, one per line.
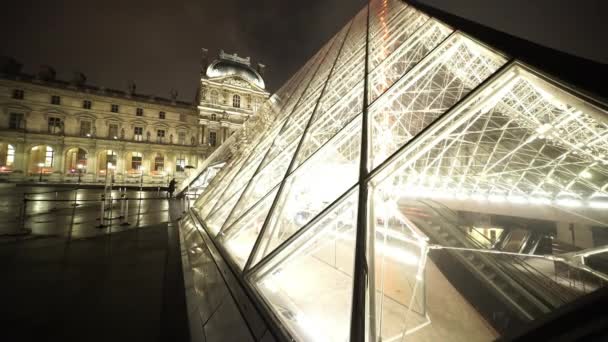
pixel 231 91
pixel 69 131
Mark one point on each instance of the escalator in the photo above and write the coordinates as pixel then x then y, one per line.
pixel 507 290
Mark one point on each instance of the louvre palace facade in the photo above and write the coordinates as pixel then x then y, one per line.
pixel 69 131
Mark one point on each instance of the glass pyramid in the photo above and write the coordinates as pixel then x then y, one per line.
pixel 408 167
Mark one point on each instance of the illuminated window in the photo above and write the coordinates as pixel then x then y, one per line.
pixel 181 138
pixel 138 133
pixel 180 163
pixel 159 163
pixel 10 155
pixel 85 128
pixel 113 131
pixel 55 125
pixel 236 101
pixel 48 157
pixel 136 159
pixel 160 135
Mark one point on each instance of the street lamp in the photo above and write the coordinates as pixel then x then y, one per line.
pixel 79 167
pixel 40 165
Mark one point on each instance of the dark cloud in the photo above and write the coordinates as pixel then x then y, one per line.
pixel 157 42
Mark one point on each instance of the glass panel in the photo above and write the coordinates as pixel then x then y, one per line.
pixel 265 180
pixel 416 47
pixel 239 238
pixel 219 216
pixel 427 91
pixel 308 284
pixel 502 186
pixel 313 186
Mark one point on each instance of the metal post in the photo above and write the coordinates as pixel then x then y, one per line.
pixel 23 212
pixel 125 220
pixel 102 212
pixel 122 206
pixel 55 205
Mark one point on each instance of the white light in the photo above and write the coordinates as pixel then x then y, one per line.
pixel 478 197
pixel 586 174
pixel 496 198
pixel 462 196
pixel 40 164
pixel 544 128
pixel 539 200
pixel 568 202
pixel 517 199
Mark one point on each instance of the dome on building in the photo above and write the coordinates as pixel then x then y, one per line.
pixel 232 65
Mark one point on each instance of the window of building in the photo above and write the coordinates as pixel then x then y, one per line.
pixel 204 93
pixel 18 94
pixel 138 133
pixel 113 131
pixel 213 117
pixel 139 111
pixel 114 108
pixel 236 101
pixel 85 128
pixel 86 104
pixel 180 163
pixel 181 138
pixel 160 135
pixel 56 100
pixel 136 159
pixel 48 157
pixel 54 125
pixel 214 97
pixel 159 163
pixel 212 138
pixel 161 115
pixel 10 155
pixel 15 121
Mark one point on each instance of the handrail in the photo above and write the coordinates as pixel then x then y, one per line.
pixel 540 280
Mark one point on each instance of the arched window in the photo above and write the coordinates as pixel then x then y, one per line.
pixel 214 97
pixel 7 156
pixel 236 101
pixel 10 155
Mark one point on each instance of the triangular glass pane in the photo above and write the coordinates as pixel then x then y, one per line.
pixel 219 216
pixel 427 91
pixel 313 186
pixel 308 285
pixel 239 238
pixel 418 45
pixel 266 179
pixel 389 36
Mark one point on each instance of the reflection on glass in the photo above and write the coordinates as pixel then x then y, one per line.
pixel 308 284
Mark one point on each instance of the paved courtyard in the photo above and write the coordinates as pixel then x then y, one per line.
pixel 69 280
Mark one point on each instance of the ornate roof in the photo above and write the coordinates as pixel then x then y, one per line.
pixel 232 65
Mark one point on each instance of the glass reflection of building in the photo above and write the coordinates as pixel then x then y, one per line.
pixel 481 173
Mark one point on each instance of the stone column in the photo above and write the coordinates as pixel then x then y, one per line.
pixel 20 157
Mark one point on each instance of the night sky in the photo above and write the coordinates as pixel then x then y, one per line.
pixel 157 42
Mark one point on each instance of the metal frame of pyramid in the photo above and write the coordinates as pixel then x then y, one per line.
pixel 396 106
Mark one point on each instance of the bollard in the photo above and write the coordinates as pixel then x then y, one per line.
pixel 102 212
pixel 125 221
pixel 23 212
pixel 122 206
pixel 55 206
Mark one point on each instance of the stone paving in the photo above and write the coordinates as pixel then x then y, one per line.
pixel 69 280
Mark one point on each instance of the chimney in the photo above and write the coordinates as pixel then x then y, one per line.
pixel 46 73
pixel 78 79
pixel 204 60
pixel 261 67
